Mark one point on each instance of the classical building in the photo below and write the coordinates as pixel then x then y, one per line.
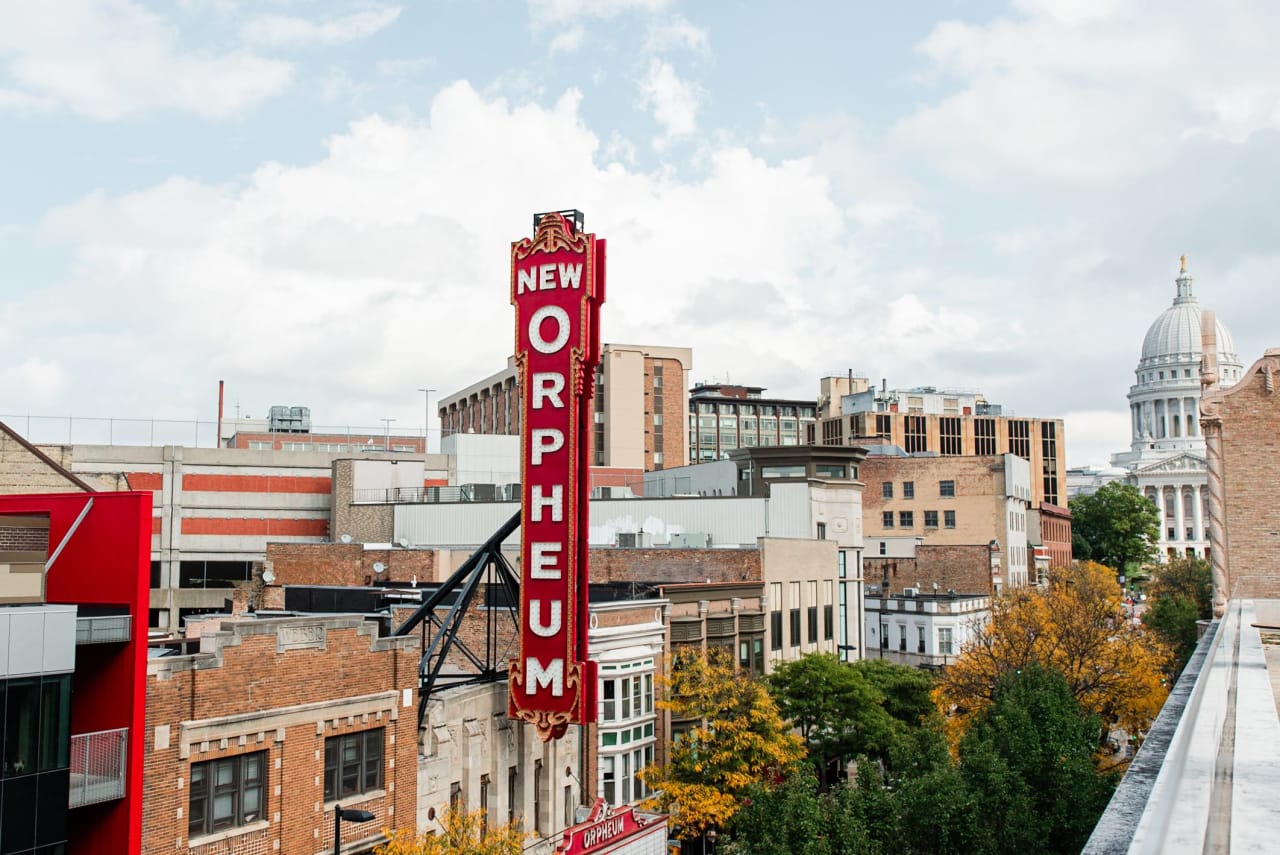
pixel 1166 458
pixel 641 407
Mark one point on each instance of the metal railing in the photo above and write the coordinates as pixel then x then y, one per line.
pixel 98 762
pixel 437 495
pixel 103 629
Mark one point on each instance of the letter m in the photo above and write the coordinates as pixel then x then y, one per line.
pixel 536 677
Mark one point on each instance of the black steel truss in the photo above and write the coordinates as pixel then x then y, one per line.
pixel 441 636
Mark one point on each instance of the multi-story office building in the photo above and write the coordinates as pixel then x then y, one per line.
pixel 724 417
pixel 925 420
pixel 641 406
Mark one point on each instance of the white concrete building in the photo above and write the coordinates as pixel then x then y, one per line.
pixel 924 629
pixel 1166 459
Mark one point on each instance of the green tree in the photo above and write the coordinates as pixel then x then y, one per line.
pixel 738 739
pixel 1029 759
pixel 1181 593
pixel 794 818
pixel 837 709
pixel 1117 525
pixel 461 834
pixel 907 691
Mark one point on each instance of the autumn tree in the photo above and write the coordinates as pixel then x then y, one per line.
pixel 737 739
pixel 461 833
pixel 1117 526
pixel 1076 626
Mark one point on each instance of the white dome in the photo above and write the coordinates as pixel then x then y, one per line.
pixel 1174 337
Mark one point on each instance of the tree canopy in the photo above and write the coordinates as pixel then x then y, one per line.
pixel 1075 626
pixel 463 834
pixel 1181 593
pixel 1116 526
pixel 738 739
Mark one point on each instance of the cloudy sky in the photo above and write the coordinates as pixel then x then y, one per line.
pixel 313 201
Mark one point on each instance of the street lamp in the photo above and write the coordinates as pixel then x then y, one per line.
pixel 386 442
pixel 426 416
pixel 350 815
pixel 709 834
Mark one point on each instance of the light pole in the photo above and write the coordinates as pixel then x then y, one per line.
pixel 350 815
pixel 426 417
pixel 709 834
pixel 386 442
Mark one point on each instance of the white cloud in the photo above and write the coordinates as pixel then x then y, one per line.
pixel 108 59
pixel 404 67
pixel 1093 92
pixel 1094 435
pixel 675 33
pixel 568 41
pixel 41 380
pixel 292 31
pixel 341 283
pixel 553 12
pixel 673 102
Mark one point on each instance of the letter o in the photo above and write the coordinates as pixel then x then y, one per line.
pixel 561 318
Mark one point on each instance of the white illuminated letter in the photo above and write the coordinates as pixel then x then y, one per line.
pixel 570 275
pixel 537 677
pixel 547 385
pixel 535 619
pixel 545 441
pixel 555 501
pixel 561 318
pixel 525 282
pixel 546 277
pixel 543 558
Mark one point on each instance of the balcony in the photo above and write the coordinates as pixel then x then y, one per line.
pixel 1206 778
pixel 103 629
pixel 98 763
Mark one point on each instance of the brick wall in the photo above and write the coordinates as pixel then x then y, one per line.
pixel 281 687
pixel 1250 471
pixel 978 502
pixel 24 538
pixel 21 471
pixel 675 565
pixel 347 564
pixel 365 523
pixel 965 569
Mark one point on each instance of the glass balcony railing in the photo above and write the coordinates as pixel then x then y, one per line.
pixel 102 629
pixel 98 763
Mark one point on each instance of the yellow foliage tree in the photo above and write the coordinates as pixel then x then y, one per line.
pixel 1077 627
pixel 739 739
pixel 463 834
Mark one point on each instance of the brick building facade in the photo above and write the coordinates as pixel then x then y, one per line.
pixel 252 741
pixel 1242 432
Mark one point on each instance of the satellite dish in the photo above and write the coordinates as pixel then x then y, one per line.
pixel 404 542
pixel 379 567
pixel 268 576
pixel 346 538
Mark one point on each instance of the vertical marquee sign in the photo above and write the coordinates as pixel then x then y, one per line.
pixel 557 286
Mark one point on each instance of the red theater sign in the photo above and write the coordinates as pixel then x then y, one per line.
pixel 557 286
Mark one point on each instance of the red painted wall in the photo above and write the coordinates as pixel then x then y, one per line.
pixel 105 561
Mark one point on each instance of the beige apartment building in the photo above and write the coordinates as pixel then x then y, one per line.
pixel 925 420
pixel 640 409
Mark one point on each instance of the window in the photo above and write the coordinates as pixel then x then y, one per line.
pixel 484 805
pixel 513 776
pixel 984 436
pixel 226 793
pixel 884 548
pixel 822 531
pixel 261 445
pixel 812 607
pixel 949 519
pixel 886 519
pixel 902 639
pixel 930 519
pixel 1049 460
pixel 828 611
pixel 795 614
pixel 947 489
pixel 915 434
pixel 537 796
pixel 949 434
pixel 908 489
pixel 775 616
pixel 944 641
pixel 884 426
pixel 906 519
pixel 886 490
pixel 352 764
pixel 1020 438
pixel 919 639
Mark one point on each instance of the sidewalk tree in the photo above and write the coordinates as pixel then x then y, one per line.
pixel 1076 626
pixel 1180 593
pixel 461 833
pixel 737 739
pixel 1116 526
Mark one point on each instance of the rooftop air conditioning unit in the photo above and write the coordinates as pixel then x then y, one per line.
pixel 690 540
pixel 635 539
pixel 910 592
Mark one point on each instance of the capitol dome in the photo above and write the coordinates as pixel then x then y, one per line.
pixel 1174 337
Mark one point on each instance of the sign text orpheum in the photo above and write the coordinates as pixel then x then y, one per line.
pixel 557 286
